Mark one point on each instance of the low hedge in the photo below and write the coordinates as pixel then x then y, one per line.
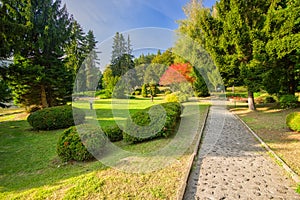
pixel 137 133
pixel 293 121
pixel 74 146
pixel 55 118
pixel 288 101
pixel 114 133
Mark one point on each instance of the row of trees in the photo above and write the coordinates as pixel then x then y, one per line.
pixel 125 74
pixel 255 43
pixel 48 48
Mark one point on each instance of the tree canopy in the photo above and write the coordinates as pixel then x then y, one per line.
pixel 248 41
pixel 48 48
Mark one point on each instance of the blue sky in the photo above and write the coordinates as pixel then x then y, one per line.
pixel 106 17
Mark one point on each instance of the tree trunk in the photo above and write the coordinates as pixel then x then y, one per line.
pixel 44 97
pixel 292 81
pixel 251 103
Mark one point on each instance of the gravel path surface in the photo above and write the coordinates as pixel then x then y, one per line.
pixel 231 164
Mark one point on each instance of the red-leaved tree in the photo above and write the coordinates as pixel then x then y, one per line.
pixel 177 73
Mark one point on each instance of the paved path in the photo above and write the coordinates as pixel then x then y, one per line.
pixel 231 164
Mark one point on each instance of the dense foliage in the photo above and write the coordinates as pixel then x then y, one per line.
pixel 293 121
pixel 114 133
pixel 80 146
pixel 55 118
pixel 141 128
pixel 288 101
pixel 179 97
pixel 5 92
pixel 253 43
pixel 48 47
pixel 177 73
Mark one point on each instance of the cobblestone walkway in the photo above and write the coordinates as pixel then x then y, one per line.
pixel 231 164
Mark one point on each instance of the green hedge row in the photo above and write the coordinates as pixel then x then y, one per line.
pixel 113 133
pixel 56 118
pixel 144 129
pixel 78 147
pixel 293 121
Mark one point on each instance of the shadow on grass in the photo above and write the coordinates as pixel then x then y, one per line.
pixel 28 158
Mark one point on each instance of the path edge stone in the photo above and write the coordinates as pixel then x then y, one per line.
pixel 180 193
pixel 289 171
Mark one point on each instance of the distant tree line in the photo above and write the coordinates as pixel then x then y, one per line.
pixel 145 73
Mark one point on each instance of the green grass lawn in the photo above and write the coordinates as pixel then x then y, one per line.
pixel 30 168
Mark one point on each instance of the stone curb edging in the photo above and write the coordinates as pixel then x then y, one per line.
pixel 182 189
pixel 293 175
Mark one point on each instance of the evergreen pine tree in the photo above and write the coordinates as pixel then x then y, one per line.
pixel 38 75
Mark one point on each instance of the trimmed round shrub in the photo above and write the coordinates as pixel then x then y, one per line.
pixel 288 101
pixel 114 133
pixel 171 98
pixel 77 147
pixel 293 121
pixel 177 97
pixel 135 134
pixel 55 118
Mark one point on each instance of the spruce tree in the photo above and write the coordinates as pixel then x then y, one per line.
pixel 92 71
pixel 38 75
pixel 121 59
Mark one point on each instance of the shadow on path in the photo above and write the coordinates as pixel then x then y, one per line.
pixel 231 164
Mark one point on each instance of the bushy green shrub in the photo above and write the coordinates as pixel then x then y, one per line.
pixel 171 98
pixel 104 94
pixel 177 97
pixel 265 98
pixel 288 101
pixel 74 146
pixel 293 121
pixel 138 133
pixel 55 118
pixel 114 133
pixel 182 97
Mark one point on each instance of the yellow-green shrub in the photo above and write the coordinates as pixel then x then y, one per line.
pixel 293 121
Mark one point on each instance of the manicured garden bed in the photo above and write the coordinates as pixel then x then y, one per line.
pixel 30 167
